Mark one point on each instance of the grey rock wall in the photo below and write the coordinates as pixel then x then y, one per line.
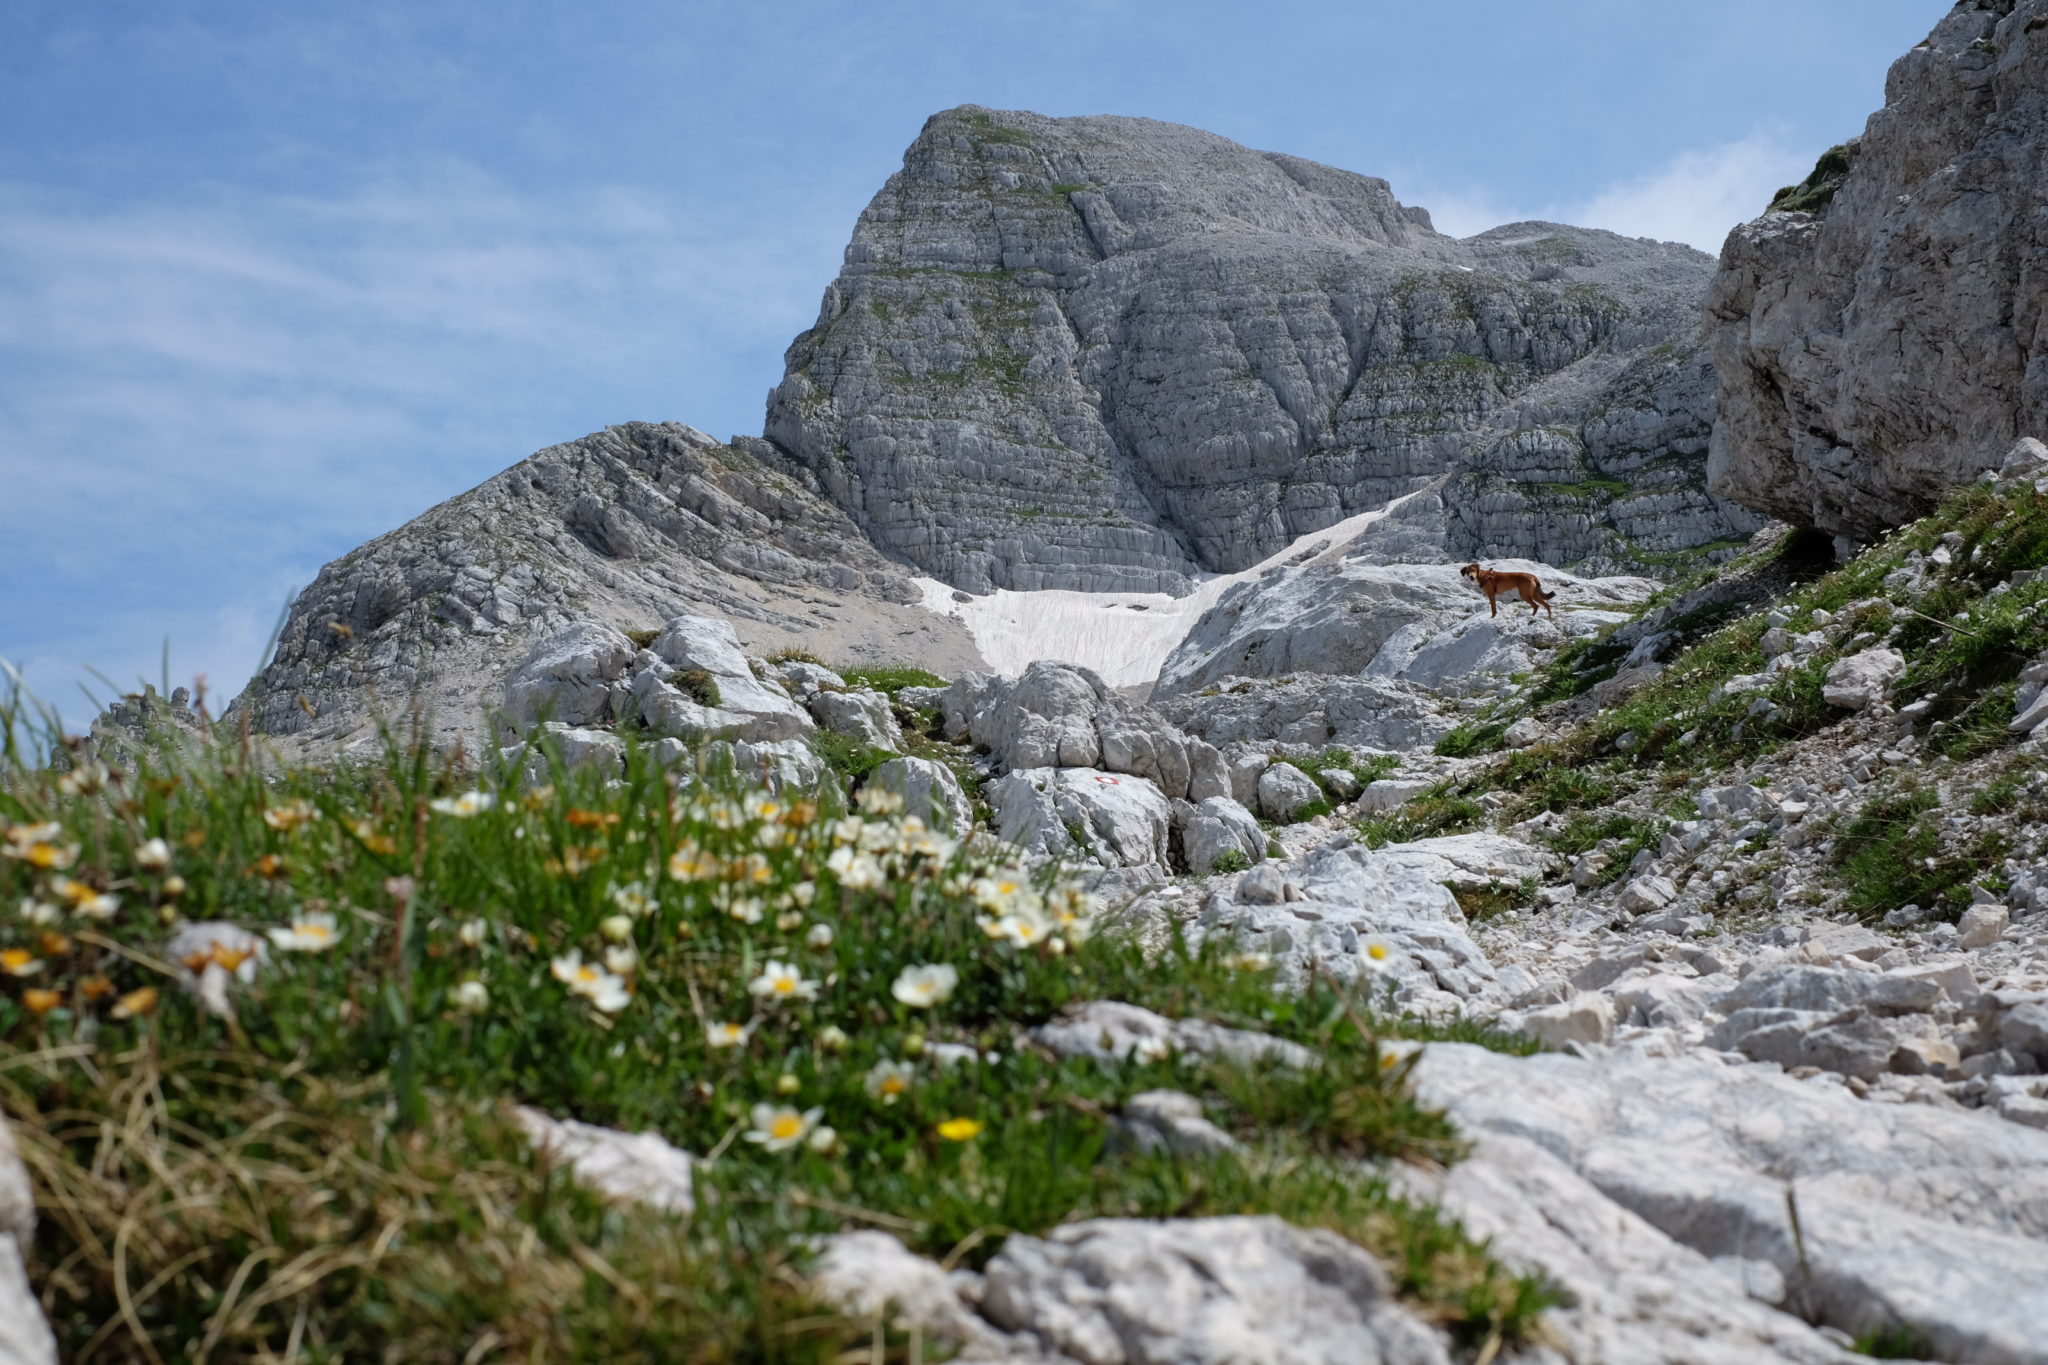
pixel 1889 341
pixel 1104 353
pixel 622 530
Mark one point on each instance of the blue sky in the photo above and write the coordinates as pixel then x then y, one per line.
pixel 276 276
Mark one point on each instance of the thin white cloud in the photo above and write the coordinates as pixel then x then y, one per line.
pixel 1695 197
pixel 202 400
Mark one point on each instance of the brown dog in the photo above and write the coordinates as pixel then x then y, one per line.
pixel 1494 584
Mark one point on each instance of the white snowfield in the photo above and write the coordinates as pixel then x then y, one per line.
pixel 1126 636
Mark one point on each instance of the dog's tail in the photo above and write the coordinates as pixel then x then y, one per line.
pixel 1543 596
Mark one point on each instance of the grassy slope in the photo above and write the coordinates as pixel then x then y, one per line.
pixel 332 1175
pixel 1964 629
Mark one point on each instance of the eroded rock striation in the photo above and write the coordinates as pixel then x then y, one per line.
pixel 1883 337
pixel 623 529
pixel 1106 353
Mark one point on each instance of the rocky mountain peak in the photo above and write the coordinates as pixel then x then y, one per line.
pixel 1110 353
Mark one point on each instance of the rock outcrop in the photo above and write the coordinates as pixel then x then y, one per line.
pixel 626 529
pixel 1884 338
pixel 1107 353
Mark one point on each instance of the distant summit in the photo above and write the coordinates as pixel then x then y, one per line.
pixel 1109 353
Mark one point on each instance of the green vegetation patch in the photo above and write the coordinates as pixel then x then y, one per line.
pixel 889 678
pixel 760 978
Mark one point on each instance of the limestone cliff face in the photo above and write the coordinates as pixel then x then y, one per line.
pixel 630 526
pixel 1105 353
pixel 1885 343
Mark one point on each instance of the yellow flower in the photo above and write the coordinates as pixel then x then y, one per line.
pixel 37 846
pixel 39 1002
pixel 19 962
pixel 690 863
pixel 880 801
pixel 290 816
pixel 960 1130
pixel 136 1004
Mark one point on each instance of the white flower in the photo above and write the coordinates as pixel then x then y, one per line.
pixel 926 984
pixel 1152 1049
pixel 621 959
pixel 847 831
pixel 803 893
pixel 1026 929
pixel 1375 955
pixel 38 912
pixel 473 933
pixel 820 936
pixel 887 1081
pixel 617 928
pixel 594 984
pixel 1250 960
pixel 778 1129
pixel 855 871
pixel 726 1035
pixel 102 906
pixel 154 856
pixel 634 899
pixel 788 920
pixel 472 998
pixel 463 806
pixel 746 909
pixel 780 981
pixel 833 1038
pixel 610 994
pixel 309 933
pixel 880 800
pixel 824 1139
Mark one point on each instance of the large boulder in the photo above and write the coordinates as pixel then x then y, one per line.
pixel 1216 829
pixel 1325 910
pixel 1660 1193
pixel 1879 338
pixel 709 690
pixel 1084 815
pixel 929 791
pixel 1058 715
pixel 1862 678
pixel 865 716
pixel 1347 617
pixel 1125 1291
pixel 1284 791
pixel 571 677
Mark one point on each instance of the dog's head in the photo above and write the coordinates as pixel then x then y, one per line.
pixel 1470 571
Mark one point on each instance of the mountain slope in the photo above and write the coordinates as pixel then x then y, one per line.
pixel 1108 353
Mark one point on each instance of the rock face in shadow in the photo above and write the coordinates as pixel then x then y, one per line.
pixel 1106 353
pixel 1887 340
pixel 624 529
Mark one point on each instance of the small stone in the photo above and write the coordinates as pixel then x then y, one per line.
pixel 1585 1018
pixel 1982 925
pixel 2025 1109
pixel 1646 895
pixel 1587 869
